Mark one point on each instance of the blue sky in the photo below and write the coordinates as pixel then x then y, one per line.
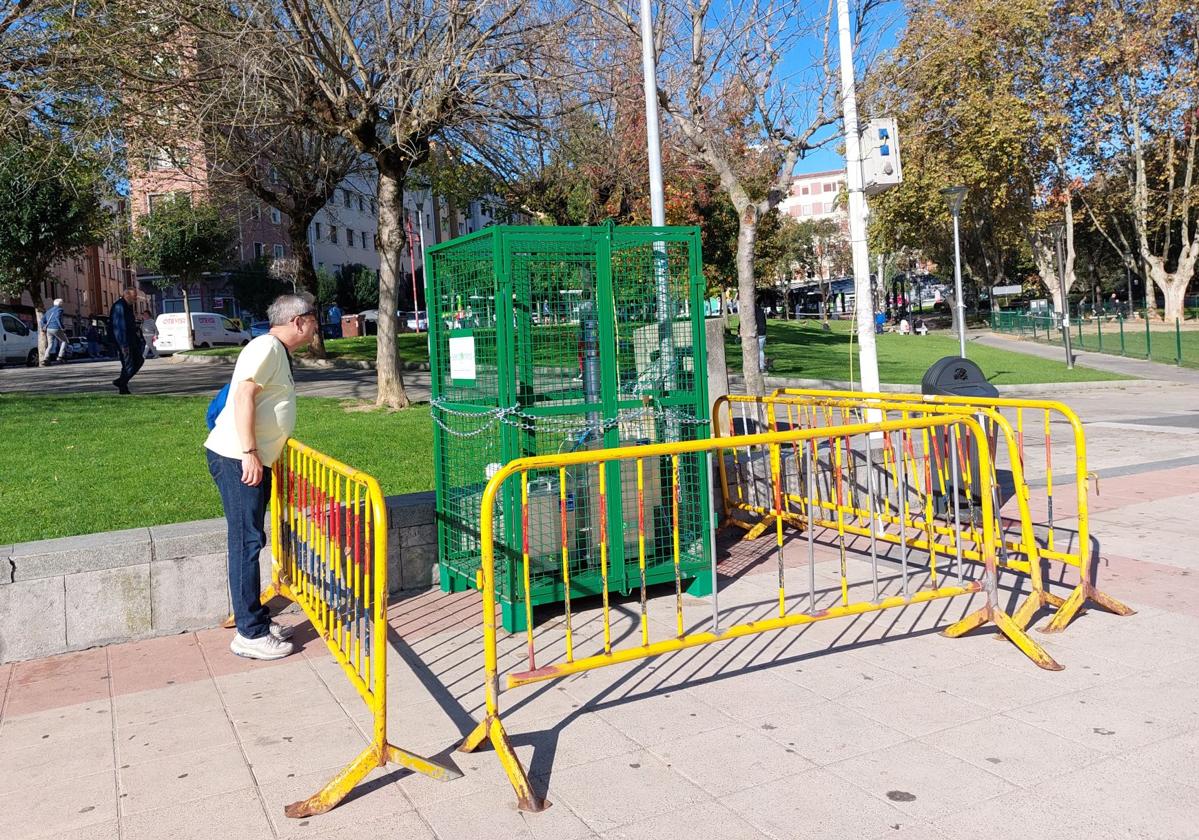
pixel 886 27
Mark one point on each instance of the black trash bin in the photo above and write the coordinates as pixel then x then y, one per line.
pixel 954 376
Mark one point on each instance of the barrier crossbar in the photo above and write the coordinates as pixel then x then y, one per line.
pixel 837 445
pixel 329 555
pixel 923 486
pixel 1032 418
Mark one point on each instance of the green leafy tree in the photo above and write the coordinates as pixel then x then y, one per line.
pixel 51 206
pixel 255 286
pixel 182 240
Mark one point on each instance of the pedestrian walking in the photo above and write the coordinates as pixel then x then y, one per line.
pixel 128 337
pixel 248 437
pixel 93 341
pixel 51 324
pixel 149 334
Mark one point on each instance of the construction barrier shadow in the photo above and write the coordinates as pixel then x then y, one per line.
pixel 924 572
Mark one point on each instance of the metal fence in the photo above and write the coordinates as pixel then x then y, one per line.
pixel 329 550
pixel 1109 331
pixel 591 636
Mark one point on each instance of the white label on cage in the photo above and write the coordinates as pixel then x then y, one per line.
pixel 462 357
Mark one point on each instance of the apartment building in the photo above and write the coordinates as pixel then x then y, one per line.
pixel 88 283
pixel 814 196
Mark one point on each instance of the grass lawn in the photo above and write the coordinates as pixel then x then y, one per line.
pixel 91 463
pixel 414 347
pixel 802 350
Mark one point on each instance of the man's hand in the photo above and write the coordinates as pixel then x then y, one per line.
pixel 251 469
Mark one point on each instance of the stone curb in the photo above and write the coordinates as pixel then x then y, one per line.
pixel 72 593
pixel 300 362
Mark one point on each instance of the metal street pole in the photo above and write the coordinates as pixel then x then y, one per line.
pixel 864 301
pixel 424 265
pixel 657 201
pixel 1059 232
pixel 954 197
pixel 957 286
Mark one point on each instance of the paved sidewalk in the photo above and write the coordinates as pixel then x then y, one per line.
pixel 857 728
pixel 1139 368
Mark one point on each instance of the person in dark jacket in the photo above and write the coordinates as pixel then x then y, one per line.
pixel 128 336
pixel 760 322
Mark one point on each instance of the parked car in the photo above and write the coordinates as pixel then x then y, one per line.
pixel 210 329
pixel 259 328
pixel 18 343
pixel 415 320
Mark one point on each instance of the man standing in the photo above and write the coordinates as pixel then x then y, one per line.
pixel 250 434
pixel 128 337
pixel 760 323
pixel 52 326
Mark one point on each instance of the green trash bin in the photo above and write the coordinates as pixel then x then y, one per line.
pixel 546 340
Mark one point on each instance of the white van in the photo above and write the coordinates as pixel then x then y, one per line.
pixel 18 343
pixel 211 330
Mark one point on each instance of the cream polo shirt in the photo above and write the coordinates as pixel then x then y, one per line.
pixel 264 362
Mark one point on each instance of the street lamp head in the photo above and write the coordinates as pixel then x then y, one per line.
pixel 954 197
pixel 1056 230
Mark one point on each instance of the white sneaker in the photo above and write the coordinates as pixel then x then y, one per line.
pixel 282 632
pixel 264 647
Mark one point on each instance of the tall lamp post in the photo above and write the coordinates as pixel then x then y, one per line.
pixel 954 197
pixel 1057 230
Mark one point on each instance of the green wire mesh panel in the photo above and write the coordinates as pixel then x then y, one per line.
pixel 549 340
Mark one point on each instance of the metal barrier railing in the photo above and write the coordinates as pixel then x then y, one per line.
pixel 610 648
pixel 329 548
pixel 923 487
pixel 1029 452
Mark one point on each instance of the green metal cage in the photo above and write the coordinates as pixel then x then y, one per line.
pixel 546 340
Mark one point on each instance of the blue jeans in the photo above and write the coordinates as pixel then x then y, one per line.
pixel 245 510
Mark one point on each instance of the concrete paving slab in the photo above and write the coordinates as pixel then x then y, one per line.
pixel 60 806
pixel 236 814
pixel 708 819
pixel 922 781
pixel 747 757
pixel 815 804
pixel 625 789
pixel 1014 750
pixel 182 777
pixel 459 819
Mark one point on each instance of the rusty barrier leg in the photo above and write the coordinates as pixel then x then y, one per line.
pixel 329 541
pixel 1080 555
pixel 837 447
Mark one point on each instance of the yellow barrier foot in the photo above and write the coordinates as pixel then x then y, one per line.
pixel 1008 628
pixel 425 766
pixel 337 790
pixel 1073 606
pixel 491 728
pixel 759 529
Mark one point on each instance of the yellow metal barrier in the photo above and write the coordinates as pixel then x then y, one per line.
pixel 329 548
pixel 572 657
pixel 1077 553
pixel 923 466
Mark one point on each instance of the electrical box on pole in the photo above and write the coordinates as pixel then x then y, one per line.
pixel 881 166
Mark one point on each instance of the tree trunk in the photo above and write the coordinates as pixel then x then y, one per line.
pixel 747 232
pixel 297 233
pixel 1175 294
pixel 391 248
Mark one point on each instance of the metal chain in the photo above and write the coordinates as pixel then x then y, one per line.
pixel 525 421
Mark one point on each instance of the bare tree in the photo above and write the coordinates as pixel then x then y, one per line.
pixel 385 77
pixel 750 88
